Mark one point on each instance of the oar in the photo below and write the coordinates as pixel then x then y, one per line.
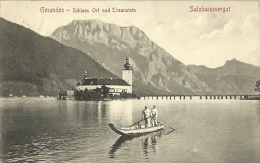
pixel 167 125
pixel 139 121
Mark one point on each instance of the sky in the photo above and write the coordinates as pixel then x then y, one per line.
pixel 200 38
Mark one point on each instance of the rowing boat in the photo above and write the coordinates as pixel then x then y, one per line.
pixel 136 130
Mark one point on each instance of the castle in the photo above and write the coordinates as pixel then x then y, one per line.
pixel 116 86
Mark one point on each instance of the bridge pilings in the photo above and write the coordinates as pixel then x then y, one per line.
pixel 196 97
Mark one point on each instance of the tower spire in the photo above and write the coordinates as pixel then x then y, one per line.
pixel 127 64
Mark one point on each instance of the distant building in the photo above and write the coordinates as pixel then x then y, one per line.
pixel 116 86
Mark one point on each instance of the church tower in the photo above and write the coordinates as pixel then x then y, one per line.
pixel 127 72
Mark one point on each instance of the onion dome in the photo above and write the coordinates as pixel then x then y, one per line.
pixel 127 64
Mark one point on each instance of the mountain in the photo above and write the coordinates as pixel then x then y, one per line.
pixel 231 67
pixel 35 65
pixel 234 77
pixel 154 70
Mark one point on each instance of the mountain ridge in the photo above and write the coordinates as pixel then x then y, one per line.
pixel 234 77
pixel 231 67
pixel 34 65
pixel 152 65
pixel 108 43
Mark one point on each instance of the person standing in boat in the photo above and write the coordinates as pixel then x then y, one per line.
pixel 154 115
pixel 147 116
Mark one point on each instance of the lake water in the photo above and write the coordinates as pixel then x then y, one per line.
pixel 48 130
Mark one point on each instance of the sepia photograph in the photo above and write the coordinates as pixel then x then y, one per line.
pixel 130 81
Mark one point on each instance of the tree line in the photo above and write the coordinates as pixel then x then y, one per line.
pixel 100 94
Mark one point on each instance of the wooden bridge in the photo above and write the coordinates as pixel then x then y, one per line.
pixel 200 97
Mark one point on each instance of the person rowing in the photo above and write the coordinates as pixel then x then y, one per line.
pixel 146 115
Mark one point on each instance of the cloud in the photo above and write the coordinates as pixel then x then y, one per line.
pixel 211 35
pixel 208 22
pixel 232 26
pixel 212 39
pixel 245 28
pixel 203 26
pixel 251 24
pixel 193 38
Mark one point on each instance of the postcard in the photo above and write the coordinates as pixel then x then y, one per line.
pixel 129 81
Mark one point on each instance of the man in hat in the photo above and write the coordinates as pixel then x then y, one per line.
pixel 154 116
pixel 147 116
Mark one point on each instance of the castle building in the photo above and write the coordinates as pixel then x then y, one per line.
pixel 116 86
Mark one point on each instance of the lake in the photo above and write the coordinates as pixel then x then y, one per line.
pixel 48 130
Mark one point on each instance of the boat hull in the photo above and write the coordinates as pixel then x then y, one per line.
pixel 136 131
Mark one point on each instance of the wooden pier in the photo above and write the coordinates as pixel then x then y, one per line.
pixel 200 97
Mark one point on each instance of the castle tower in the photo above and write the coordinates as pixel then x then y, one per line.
pixel 127 74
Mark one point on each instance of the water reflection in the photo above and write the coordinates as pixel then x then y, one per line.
pixel 148 143
pixel 25 125
pixel 44 130
pixel 121 141
pixel 121 112
pixel 34 129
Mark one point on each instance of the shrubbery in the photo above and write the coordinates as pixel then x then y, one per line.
pixel 100 94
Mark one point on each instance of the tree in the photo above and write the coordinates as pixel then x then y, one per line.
pixel 105 91
pixel 79 94
pixel 86 94
pixel 257 86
